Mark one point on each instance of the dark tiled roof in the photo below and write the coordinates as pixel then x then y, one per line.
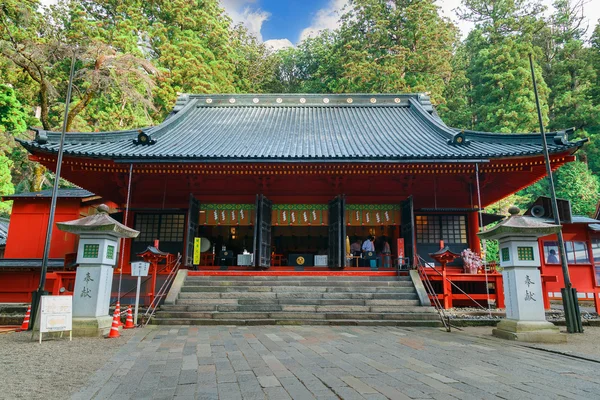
pixel 30 263
pixel 300 127
pixel 62 193
pixel 3 231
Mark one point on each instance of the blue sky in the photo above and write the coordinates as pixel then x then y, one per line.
pixel 281 23
pixel 288 18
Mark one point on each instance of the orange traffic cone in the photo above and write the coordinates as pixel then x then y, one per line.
pixel 129 321
pixel 25 324
pixel 118 313
pixel 114 329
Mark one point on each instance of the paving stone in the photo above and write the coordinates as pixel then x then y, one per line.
pixel 268 381
pixel 275 362
pixel 277 393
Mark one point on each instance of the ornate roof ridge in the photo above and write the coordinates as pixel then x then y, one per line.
pixel 304 99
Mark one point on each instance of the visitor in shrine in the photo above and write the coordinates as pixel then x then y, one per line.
pixel 355 248
pixel 386 252
pixel 368 244
pixel 552 258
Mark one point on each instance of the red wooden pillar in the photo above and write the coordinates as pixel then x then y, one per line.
pixel 545 294
pixel 474 242
pixel 154 280
pixel 447 289
pixel 500 292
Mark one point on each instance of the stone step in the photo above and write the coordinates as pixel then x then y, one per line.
pixel 277 307
pixel 351 322
pixel 298 283
pixel 220 304
pixel 288 289
pixel 250 298
pixel 281 315
pixel 268 295
pixel 273 278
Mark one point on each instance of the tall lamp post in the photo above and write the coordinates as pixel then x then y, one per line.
pixel 569 293
pixel 36 296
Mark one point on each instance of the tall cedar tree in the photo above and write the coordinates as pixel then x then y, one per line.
pixel 501 92
pixel 395 46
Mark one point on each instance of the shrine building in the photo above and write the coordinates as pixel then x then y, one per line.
pixel 293 178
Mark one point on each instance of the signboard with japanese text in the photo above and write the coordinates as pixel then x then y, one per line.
pixel 197 243
pixel 140 268
pixel 56 314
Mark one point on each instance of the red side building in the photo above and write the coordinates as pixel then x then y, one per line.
pixel 20 266
pixel 582 245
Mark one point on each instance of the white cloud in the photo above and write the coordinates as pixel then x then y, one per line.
pixel 326 18
pixel 241 11
pixel 278 44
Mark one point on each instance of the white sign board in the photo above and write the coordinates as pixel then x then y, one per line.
pixel 56 314
pixel 140 268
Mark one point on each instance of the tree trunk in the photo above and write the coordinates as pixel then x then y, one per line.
pixel 38 177
pixel 87 98
pixel 44 104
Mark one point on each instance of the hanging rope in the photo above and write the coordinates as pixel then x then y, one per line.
pixel 483 241
pixel 123 239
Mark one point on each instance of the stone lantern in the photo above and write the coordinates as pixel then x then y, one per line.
pixel 520 259
pixel 99 236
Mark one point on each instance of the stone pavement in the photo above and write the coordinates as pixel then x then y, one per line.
pixel 308 362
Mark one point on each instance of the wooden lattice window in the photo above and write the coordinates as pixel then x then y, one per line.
pixel 433 228
pixel 164 227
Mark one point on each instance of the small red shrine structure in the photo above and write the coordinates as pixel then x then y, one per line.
pixel 582 244
pixel 293 175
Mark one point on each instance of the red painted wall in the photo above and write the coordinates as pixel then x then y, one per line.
pixel 28 224
pixel 582 275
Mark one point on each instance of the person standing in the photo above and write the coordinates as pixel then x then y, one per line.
pixel 355 248
pixel 368 244
pixel 386 253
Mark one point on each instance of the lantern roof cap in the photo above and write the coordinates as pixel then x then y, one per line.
pixel 101 222
pixel 519 226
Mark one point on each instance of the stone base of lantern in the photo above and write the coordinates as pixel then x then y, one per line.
pixel 529 331
pixel 92 326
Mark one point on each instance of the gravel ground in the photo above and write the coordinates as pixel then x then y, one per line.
pixel 53 370
pixel 586 344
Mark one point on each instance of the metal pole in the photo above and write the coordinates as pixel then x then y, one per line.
pixel 137 299
pixel 122 254
pixel 483 242
pixel 570 303
pixel 40 291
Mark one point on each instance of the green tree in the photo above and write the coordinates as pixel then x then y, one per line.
pixel 568 70
pixel 13 119
pixel 395 46
pixel 12 122
pixel 256 67
pixel 457 110
pixel 501 92
pixel 6 186
pixel 573 181
pixel 312 67
pixel 33 45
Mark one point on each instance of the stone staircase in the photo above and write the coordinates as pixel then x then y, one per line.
pixel 297 300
